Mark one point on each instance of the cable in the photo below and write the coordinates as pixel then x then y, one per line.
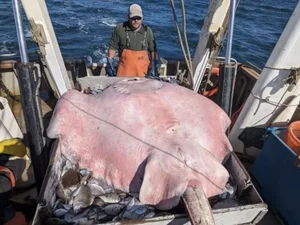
pixel 272 102
pixel 185 36
pixel 179 36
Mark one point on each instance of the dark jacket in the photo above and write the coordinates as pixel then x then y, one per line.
pixel 124 37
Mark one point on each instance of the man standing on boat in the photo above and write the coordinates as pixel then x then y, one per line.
pixel 136 45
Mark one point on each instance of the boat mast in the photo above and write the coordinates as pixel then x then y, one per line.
pixel 50 54
pixel 210 38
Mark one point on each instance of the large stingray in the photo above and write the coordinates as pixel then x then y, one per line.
pixel 145 136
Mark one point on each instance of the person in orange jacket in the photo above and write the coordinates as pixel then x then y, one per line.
pixel 136 45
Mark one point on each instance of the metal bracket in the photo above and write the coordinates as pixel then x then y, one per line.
pixel 215 41
pixel 38 35
pixel 293 78
pixel 180 76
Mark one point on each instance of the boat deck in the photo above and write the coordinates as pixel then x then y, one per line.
pixel 28 178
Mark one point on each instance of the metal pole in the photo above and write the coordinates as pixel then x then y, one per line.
pixel 230 32
pixel 226 84
pixel 34 128
pixel 20 34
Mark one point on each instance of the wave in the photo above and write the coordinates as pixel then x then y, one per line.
pixel 8 48
pixel 3 48
pixel 109 22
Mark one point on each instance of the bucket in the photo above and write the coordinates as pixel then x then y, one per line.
pixel 292 136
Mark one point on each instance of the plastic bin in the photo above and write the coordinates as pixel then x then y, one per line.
pixel 277 173
pixel 9 127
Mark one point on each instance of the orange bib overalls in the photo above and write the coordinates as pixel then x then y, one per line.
pixel 133 63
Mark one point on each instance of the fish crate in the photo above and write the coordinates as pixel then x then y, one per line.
pixel 276 176
pixel 250 212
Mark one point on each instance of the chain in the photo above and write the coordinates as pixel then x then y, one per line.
pixel 7 91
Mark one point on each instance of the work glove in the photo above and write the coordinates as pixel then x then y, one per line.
pixel 153 71
pixel 110 70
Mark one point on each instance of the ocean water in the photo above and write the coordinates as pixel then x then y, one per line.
pixel 83 27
